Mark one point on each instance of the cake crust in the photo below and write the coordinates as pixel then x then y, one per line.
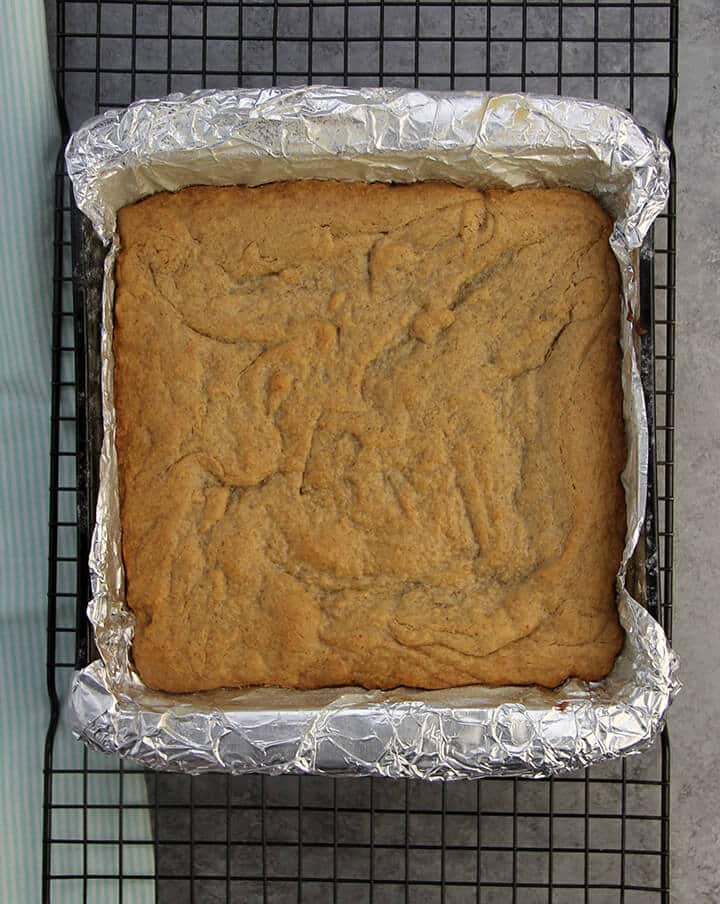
pixel 369 435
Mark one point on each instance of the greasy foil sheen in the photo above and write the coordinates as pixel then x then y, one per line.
pixel 476 139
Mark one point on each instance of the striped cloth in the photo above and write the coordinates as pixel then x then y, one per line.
pixel 30 140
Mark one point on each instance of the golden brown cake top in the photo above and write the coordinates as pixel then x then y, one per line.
pixel 369 435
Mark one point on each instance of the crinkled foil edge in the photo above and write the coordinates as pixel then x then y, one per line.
pixel 479 139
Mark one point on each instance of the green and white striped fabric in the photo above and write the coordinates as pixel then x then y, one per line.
pixel 29 142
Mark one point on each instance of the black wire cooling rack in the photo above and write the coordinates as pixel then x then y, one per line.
pixel 113 833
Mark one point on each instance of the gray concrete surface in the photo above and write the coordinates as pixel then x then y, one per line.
pixel 696 714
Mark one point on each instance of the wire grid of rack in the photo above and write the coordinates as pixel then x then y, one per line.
pixel 115 833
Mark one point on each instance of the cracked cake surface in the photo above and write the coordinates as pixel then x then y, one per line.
pixel 369 435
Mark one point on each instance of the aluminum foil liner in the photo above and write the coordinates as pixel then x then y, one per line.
pixel 477 139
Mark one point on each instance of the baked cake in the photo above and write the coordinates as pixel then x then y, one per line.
pixel 369 435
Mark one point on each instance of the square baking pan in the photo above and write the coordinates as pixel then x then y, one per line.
pixel 391 136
